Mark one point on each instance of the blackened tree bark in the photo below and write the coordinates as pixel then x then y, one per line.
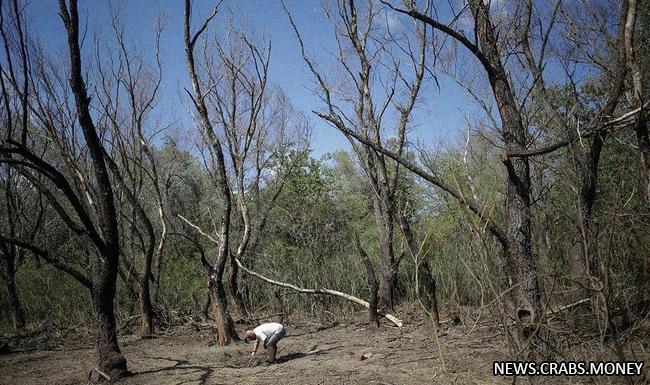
pixel 516 234
pixel 641 128
pixel 368 101
pixel 424 280
pixel 215 270
pixel 373 301
pixel 8 260
pixel 93 216
pixel 427 292
pixel 9 253
pixel 384 213
pixel 106 264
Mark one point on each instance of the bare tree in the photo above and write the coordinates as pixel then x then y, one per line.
pixel 377 84
pixel 259 128
pixel 14 224
pixel 225 328
pixel 488 48
pixel 373 287
pixel 639 89
pixel 127 91
pixel 89 209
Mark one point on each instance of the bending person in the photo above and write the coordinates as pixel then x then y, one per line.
pixel 268 334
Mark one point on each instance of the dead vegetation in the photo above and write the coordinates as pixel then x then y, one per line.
pixel 347 351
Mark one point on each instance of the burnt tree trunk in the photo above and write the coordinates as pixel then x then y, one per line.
pixel 205 308
pixel 385 219
pixel 278 305
pixel 146 321
pixel 426 282
pixel 9 275
pixel 219 309
pixel 109 357
pixel 578 258
pixel 106 263
pixel 519 256
pixel 16 306
pixel 225 328
pixel 373 287
pixel 235 290
pixel 427 292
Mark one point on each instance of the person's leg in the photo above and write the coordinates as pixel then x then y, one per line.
pixel 272 351
pixel 272 343
pixel 275 338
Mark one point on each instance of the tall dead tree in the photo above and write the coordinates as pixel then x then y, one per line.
pixel 487 47
pixel 425 283
pixel 377 84
pixel 127 90
pixel 16 218
pixel 586 161
pixel 239 95
pixel 215 270
pixel 639 90
pixel 258 126
pixel 92 215
pixel 373 287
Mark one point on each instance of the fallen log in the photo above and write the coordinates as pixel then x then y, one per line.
pixel 322 291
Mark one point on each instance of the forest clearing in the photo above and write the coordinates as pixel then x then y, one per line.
pixel 313 353
pixel 324 192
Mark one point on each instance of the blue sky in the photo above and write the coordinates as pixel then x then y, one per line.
pixel 438 119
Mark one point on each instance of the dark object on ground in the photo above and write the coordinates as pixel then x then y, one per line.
pixel 4 348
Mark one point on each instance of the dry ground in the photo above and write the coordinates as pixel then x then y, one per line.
pixel 185 356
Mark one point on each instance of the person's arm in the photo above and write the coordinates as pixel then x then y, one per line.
pixel 257 344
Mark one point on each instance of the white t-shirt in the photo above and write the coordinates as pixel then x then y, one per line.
pixel 265 331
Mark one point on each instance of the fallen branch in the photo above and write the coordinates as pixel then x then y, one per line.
pixel 90 374
pixel 127 321
pixel 334 293
pixel 565 307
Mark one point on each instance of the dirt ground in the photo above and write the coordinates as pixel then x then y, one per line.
pixel 312 353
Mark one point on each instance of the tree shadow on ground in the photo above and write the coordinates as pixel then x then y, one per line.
pixel 299 355
pixel 206 371
pixel 290 357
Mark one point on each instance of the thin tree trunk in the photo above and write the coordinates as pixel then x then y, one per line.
pixel 384 218
pixel 643 140
pixel 146 321
pixel 205 309
pixel 639 90
pixel 279 305
pixel 109 357
pixel 219 308
pixel 373 317
pixel 234 289
pixel 225 328
pixel 427 292
pixel 17 310
pixel 426 289
pixel 578 257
